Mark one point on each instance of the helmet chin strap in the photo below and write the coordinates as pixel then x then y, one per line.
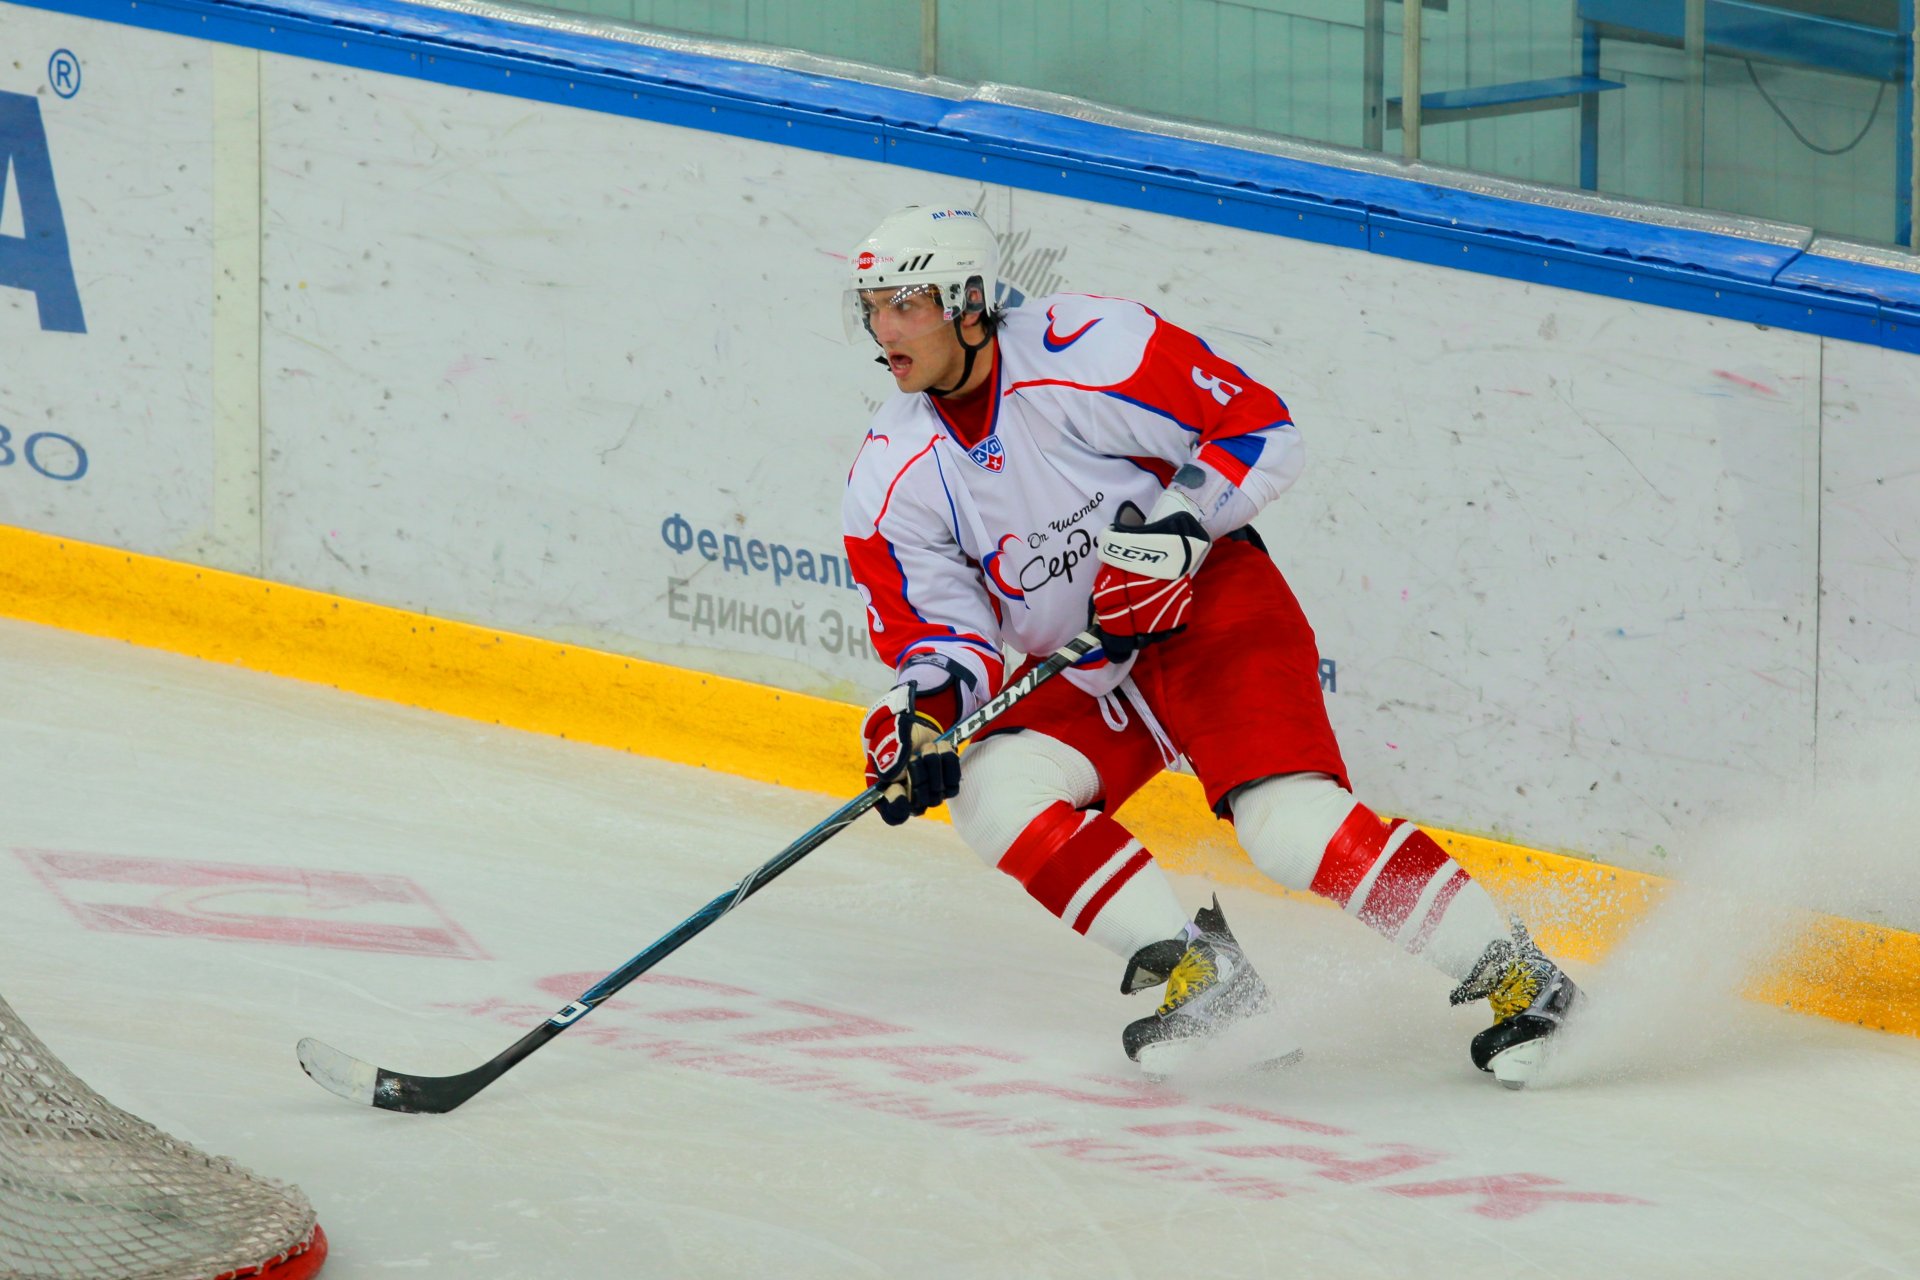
pixel 966 369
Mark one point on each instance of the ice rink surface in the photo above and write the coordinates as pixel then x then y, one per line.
pixel 888 1063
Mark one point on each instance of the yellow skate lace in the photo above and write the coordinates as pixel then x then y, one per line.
pixel 1192 975
pixel 1515 991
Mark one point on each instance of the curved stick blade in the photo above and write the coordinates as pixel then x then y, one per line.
pixel 337 1072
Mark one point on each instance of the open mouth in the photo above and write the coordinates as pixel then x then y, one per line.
pixel 898 365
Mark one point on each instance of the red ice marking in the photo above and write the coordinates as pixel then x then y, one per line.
pixel 489 1007
pixel 705 1013
pixel 1748 383
pixel 1339 1168
pixel 696 984
pixel 598 1033
pixel 935 1102
pixel 1130 1095
pixel 1155 1164
pixel 344 910
pixel 838 1025
pixel 1100 1151
pixel 572 984
pixel 1510 1195
pixel 567 986
pixel 1261 1114
pixel 1180 1129
pixel 920 1063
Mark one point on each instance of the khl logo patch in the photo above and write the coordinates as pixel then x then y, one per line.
pixel 989 454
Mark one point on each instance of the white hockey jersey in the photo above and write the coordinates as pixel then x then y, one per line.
pixel 973 533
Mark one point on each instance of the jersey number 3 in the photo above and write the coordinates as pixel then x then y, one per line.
pixel 1219 388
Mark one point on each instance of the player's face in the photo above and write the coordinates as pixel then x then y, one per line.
pixel 915 335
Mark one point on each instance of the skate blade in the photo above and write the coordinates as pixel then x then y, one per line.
pixel 1160 1061
pixel 1518 1067
pixel 1245 1047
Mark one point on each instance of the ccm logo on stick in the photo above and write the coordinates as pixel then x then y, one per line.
pixel 571 1014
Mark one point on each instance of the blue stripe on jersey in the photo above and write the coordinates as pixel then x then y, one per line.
pixel 1246 448
pixel 921 646
pixel 906 587
pixel 906 597
pixel 948 490
pixel 1153 409
pixel 957 638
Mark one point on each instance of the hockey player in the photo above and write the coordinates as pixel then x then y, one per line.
pixel 1081 457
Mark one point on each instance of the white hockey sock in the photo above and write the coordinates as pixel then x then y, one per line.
pixel 1309 834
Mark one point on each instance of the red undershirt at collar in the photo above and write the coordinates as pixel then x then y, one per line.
pixel 970 417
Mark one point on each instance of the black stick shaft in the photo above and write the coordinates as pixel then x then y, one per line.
pixel 396 1091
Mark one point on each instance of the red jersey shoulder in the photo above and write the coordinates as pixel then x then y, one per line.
pixel 1080 338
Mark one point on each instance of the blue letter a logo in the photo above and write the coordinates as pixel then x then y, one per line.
pixel 38 261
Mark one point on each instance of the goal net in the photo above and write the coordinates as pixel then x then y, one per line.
pixel 87 1190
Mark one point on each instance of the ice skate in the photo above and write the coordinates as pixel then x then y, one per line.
pixel 1531 999
pixel 1212 990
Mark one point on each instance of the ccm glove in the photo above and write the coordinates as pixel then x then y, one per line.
pixel 903 753
pixel 1144 586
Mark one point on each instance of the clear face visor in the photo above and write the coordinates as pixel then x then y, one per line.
pixel 895 314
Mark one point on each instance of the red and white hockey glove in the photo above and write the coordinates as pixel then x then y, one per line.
pixel 903 753
pixel 1144 586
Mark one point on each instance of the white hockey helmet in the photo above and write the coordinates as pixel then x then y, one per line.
pixel 948 254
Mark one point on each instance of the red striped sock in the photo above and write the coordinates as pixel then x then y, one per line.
pixel 1090 872
pixel 1394 877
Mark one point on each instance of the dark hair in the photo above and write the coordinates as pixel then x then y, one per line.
pixel 990 314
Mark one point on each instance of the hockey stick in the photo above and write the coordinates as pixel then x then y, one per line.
pixel 362 1082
